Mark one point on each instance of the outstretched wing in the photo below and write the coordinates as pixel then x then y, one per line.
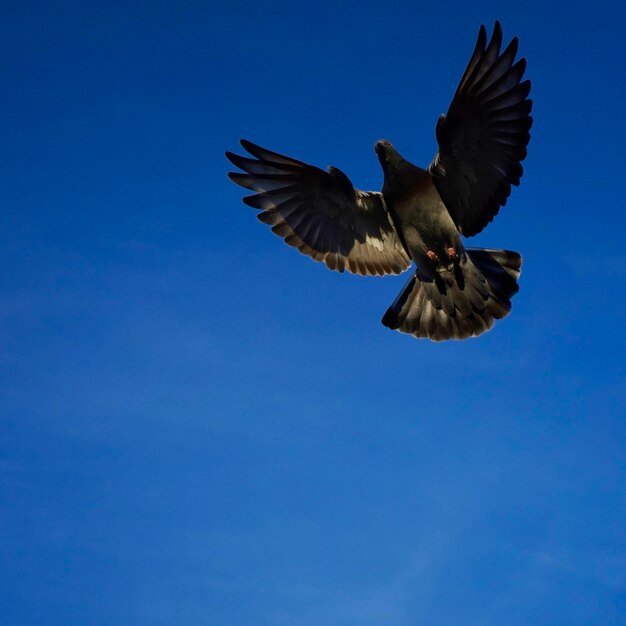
pixel 321 213
pixel 483 138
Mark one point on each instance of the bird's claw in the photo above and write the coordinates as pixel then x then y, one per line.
pixel 452 255
pixel 432 256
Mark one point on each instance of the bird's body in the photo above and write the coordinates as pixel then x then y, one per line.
pixel 418 212
pixel 421 214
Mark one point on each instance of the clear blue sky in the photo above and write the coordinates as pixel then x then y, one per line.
pixel 201 426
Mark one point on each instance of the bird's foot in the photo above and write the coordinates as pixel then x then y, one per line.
pixel 452 255
pixel 432 256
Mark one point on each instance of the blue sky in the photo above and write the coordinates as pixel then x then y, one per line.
pixel 201 426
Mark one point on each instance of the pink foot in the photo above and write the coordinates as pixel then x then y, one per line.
pixel 432 256
pixel 452 255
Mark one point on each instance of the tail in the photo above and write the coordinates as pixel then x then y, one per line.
pixel 459 302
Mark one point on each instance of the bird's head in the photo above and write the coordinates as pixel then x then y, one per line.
pixel 393 164
pixel 387 155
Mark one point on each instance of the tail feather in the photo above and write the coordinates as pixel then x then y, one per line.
pixel 458 303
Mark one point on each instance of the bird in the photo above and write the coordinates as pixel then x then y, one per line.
pixel 420 216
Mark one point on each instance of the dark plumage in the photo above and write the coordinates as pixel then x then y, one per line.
pixel 420 214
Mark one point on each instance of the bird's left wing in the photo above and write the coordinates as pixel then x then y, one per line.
pixel 320 213
pixel 483 138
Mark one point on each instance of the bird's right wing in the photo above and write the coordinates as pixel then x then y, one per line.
pixel 320 213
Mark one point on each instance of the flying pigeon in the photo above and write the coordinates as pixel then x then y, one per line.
pixel 421 214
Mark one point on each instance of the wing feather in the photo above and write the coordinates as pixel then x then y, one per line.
pixel 483 137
